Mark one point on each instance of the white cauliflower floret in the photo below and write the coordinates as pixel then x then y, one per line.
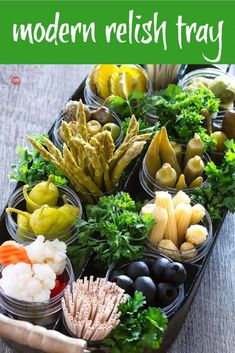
pixel 28 283
pixel 52 253
pixel 36 250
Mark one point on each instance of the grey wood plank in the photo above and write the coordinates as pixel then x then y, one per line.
pixel 31 108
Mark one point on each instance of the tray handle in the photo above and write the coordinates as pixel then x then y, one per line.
pixel 38 337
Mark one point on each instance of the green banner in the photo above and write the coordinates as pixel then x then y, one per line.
pixel 114 31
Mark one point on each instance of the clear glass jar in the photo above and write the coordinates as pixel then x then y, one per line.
pixel 92 346
pixel 44 314
pixel 150 185
pixel 56 139
pixel 68 235
pixel 92 99
pixel 208 73
pixel 149 257
pixel 88 198
pixel 188 256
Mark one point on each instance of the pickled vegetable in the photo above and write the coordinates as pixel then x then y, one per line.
pixel 166 176
pixel 153 160
pixel 107 80
pixel 183 214
pixel 181 196
pixel 178 151
pixel 223 87
pixel 228 126
pixel 163 199
pixel 181 183
pixel 167 152
pixel 198 213
pixel 193 169
pixel 94 127
pixel 42 193
pixel 188 250
pixel 49 220
pixel 220 138
pixel 196 182
pixel 195 147
pixel 114 129
pixel 196 234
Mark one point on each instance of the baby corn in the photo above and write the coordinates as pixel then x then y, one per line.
pixel 163 199
pixel 181 197
pixel 198 213
pixel 183 218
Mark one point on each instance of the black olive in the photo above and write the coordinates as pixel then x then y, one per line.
pixel 124 282
pixel 146 285
pixel 166 294
pixel 158 268
pixel 175 273
pixel 137 269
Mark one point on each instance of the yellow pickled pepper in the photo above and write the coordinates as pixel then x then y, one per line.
pixel 166 176
pixel 153 160
pixel 195 147
pixel 181 183
pixel 196 182
pixel 167 152
pixel 44 193
pixel 193 169
pixel 178 151
pixel 47 220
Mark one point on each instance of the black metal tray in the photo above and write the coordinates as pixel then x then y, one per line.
pixel 195 271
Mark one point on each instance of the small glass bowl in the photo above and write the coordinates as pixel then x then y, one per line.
pixel 149 257
pixel 92 99
pixel 44 314
pixel 209 73
pixel 68 235
pixel 96 346
pixel 188 256
pixel 150 185
pixel 56 139
pixel 88 198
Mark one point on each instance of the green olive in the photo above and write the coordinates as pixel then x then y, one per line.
pixel 93 127
pixel 114 129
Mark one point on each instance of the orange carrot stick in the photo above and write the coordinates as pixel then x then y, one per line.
pixel 13 253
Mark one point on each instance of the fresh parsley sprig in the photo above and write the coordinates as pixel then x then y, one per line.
pixel 114 229
pixel 140 329
pixel 32 167
pixel 219 194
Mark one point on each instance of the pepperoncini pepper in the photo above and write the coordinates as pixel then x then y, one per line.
pixel 44 193
pixel 48 220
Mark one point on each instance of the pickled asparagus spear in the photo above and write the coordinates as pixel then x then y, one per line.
pixel 153 160
pixel 132 130
pixel 81 118
pixel 106 140
pixel 94 159
pixel 130 154
pixel 101 152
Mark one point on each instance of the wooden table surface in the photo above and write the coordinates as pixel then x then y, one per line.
pixel 31 107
